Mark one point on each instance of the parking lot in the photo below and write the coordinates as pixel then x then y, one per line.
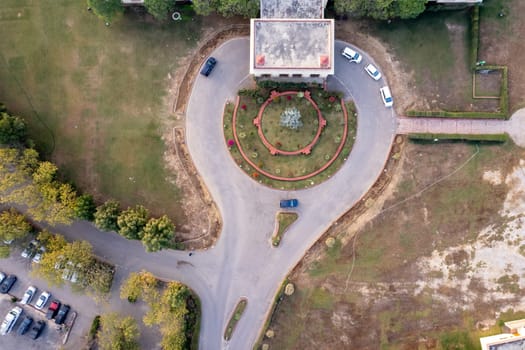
pixel 52 335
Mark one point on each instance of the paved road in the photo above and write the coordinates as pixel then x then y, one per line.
pixel 515 126
pixel 243 263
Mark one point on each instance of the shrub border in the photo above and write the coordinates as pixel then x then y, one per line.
pixel 460 137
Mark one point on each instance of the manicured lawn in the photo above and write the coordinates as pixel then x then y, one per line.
pixel 283 138
pixel 95 97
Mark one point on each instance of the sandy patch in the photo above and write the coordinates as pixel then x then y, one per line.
pixel 493 177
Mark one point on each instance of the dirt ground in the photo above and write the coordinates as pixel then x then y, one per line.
pixel 444 252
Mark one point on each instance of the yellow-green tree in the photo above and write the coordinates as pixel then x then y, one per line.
pixel 118 333
pixel 13 225
pixel 140 285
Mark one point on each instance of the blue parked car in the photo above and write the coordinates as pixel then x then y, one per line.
pixel 208 66
pixel 289 203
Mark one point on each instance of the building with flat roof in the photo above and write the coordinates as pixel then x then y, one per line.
pixel 514 339
pixel 292 48
pixel 292 8
pixel 292 41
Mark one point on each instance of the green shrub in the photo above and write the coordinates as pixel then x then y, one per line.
pixel 95 325
pixel 460 137
pixel 474 37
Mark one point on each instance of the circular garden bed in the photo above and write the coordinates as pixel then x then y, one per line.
pixel 291 139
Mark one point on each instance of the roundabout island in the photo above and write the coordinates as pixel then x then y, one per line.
pixel 290 139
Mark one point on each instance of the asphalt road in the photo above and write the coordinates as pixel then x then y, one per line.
pixel 243 263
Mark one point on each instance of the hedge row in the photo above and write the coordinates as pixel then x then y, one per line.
pixel 460 137
pixel 456 115
pixel 474 37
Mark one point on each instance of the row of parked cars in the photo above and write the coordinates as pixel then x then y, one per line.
pixel 372 71
pixel 56 310
pixel 34 251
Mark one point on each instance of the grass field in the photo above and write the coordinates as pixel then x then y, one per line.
pixel 95 96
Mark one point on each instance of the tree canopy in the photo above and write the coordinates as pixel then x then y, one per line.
pixel 131 222
pixel 159 8
pixel 12 129
pixel 158 233
pixel 381 9
pixel 105 9
pixel 227 8
pixel 13 225
pixel 118 333
pixel 106 215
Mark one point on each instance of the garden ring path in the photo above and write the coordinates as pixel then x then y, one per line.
pixel 305 150
pixel 243 263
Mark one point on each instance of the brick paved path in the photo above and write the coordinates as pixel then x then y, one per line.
pixel 515 126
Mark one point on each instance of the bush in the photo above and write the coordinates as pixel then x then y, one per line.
pixel 457 115
pixel 460 137
pixel 95 325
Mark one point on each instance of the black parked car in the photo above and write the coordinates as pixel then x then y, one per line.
pixel 7 284
pixel 62 313
pixel 208 66
pixel 24 326
pixel 36 329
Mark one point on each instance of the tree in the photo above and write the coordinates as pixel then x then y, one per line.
pixel 106 215
pixel 105 9
pixel 13 225
pixel 158 233
pixel 140 285
pixel 118 333
pixel 131 222
pixel 62 259
pixel 227 8
pixel 159 8
pixel 85 207
pixel 381 9
pixel 12 129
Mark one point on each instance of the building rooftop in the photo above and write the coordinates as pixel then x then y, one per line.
pixel 292 8
pixel 514 340
pixel 292 44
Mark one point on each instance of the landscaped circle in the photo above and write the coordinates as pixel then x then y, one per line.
pixel 291 139
pixel 286 120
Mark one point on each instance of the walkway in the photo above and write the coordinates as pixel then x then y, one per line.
pixel 515 126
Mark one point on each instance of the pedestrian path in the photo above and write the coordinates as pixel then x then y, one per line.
pixel 515 126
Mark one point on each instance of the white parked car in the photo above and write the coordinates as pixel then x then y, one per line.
pixel 2 276
pixel 38 255
pixel 10 320
pixel 386 96
pixel 373 71
pixel 28 295
pixel 352 55
pixel 42 300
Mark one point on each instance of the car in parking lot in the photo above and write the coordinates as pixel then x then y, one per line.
pixel 288 203
pixel 373 71
pixel 24 326
pixel 62 314
pixel 6 284
pixel 42 300
pixel 386 96
pixel 208 66
pixel 351 55
pixel 52 310
pixel 28 295
pixel 36 329
pixel 2 277
pixel 30 249
pixel 10 320
pixel 38 256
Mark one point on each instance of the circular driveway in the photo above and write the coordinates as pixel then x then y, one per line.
pixel 243 263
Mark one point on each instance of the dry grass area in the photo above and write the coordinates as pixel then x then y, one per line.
pixel 439 257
